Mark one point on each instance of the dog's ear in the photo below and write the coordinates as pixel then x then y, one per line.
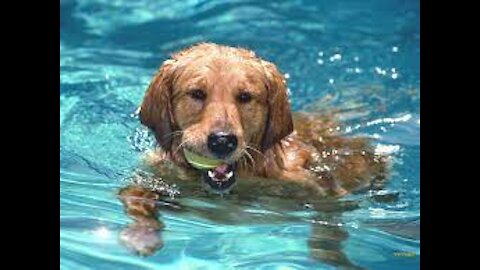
pixel 156 109
pixel 279 121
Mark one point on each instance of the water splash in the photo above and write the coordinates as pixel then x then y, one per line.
pixel 149 181
pixel 142 140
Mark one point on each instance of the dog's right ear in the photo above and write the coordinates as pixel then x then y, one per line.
pixel 156 108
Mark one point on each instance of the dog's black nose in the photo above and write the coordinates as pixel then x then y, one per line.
pixel 222 144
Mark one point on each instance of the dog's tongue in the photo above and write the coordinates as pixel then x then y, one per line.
pixel 221 171
pixel 221 178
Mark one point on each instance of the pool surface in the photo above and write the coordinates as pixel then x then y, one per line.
pixel 362 57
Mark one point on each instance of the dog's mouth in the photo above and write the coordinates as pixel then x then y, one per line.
pixel 220 178
pixel 217 174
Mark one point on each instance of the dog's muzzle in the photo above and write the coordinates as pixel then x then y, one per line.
pixel 219 176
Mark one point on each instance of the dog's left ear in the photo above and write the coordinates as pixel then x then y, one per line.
pixel 279 121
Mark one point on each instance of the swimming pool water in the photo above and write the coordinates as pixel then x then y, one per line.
pixel 360 56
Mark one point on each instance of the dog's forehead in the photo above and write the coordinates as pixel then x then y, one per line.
pixel 234 70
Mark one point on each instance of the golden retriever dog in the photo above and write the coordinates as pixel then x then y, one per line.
pixel 228 108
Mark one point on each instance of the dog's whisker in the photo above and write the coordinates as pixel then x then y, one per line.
pixel 247 164
pixel 251 158
pixel 256 150
pixel 245 161
pixel 172 134
pixel 242 159
pixel 180 146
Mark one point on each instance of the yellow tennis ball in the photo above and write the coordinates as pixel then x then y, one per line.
pixel 201 162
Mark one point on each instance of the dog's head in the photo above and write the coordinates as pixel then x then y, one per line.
pixel 216 103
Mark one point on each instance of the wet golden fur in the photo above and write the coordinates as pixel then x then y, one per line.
pixel 280 153
pixel 273 144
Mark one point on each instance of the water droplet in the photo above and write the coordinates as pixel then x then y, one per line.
pixel 380 71
pixel 394 49
pixel 320 61
pixel 142 140
pixel 331 81
pixel 336 57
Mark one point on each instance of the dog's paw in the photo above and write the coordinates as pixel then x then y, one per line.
pixel 142 239
pixel 139 202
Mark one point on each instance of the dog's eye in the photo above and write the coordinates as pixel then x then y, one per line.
pixel 198 94
pixel 244 97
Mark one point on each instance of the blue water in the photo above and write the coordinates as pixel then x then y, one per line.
pixel 360 56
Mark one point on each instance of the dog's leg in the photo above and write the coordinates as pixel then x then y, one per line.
pixel 326 239
pixel 143 235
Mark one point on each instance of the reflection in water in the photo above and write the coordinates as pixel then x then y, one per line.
pixel 328 229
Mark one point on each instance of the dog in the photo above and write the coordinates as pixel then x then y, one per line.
pixel 229 108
